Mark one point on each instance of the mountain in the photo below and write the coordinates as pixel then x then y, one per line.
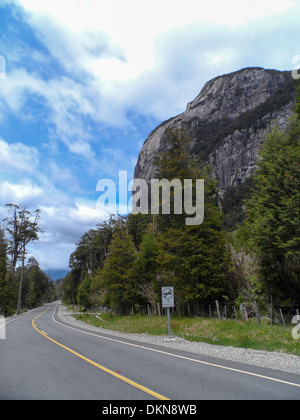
pixel 56 274
pixel 227 122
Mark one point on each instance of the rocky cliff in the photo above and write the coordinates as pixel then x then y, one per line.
pixel 227 122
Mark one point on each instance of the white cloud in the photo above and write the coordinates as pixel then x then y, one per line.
pixel 23 192
pixel 63 226
pixel 17 156
pixel 150 58
pixel 51 256
pixel 131 26
pixel 66 101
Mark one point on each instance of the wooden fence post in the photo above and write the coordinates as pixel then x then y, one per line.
pixel 218 310
pixel 245 312
pixel 282 318
pixel 256 312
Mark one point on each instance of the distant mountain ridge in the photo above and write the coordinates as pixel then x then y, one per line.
pixel 56 274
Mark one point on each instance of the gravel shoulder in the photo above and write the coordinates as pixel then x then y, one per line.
pixel 272 360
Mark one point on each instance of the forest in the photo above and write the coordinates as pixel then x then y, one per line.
pixel 21 285
pixel 123 263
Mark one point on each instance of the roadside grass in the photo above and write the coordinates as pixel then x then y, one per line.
pixel 209 330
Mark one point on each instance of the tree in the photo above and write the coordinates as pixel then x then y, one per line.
pixel 84 293
pixel 137 226
pixel 145 265
pixel 21 230
pixel 114 278
pixel 3 266
pixel 195 259
pixel 144 271
pixel 3 255
pixel 174 162
pixel 89 256
pixel 273 212
pixel 38 286
pixel 70 286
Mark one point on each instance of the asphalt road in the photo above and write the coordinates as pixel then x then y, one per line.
pixel 45 359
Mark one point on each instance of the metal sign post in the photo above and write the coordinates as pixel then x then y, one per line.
pixel 167 294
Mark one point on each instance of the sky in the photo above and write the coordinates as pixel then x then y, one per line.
pixel 83 83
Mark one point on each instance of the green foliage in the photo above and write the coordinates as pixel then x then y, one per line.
pixel 84 293
pixel 124 262
pixel 193 258
pixel 273 212
pixel 38 288
pixel 9 294
pixel 22 227
pixel 3 256
pixel 137 226
pixel 209 330
pixel 145 265
pixel 143 252
pixel 70 285
pixel 174 163
pixel 114 278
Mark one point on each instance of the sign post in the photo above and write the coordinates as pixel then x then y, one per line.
pixel 167 294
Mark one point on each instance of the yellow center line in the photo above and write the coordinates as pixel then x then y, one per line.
pixel 144 347
pixel 116 375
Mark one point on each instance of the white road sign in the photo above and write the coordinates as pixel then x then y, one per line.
pixel 167 294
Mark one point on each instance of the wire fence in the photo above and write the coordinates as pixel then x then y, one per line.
pixel 272 313
pixel 262 312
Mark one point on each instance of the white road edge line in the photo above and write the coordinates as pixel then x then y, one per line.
pixel 178 356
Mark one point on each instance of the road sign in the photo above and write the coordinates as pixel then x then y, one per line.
pixel 167 294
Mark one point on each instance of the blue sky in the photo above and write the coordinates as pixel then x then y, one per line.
pixel 85 81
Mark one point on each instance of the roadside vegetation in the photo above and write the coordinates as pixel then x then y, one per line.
pixel 208 330
pixel 123 263
pixel 23 285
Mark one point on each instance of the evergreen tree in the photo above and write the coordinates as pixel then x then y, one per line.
pixel 70 286
pixel 273 212
pixel 3 266
pixel 84 293
pixel 3 255
pixel 137 226
pixel 9 294
pixel 8 280
pixel 37 285
pixel 174 163
pixel 145 273
pixel 145 264
pixel 195 259
pixel 114 279
pixel 90 253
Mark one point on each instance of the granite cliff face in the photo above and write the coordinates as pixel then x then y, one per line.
pixel 227 122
